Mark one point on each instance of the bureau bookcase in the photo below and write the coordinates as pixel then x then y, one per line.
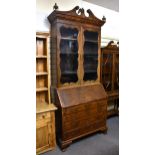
pixel 110 75
pixel 75 74
pixel 45 117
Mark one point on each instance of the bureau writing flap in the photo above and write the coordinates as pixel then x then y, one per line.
pixel 81 94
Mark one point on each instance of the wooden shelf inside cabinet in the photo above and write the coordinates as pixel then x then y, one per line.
pixel 92 41
pixel 90 54
pixel 90 71
pixel 41 89
pixel 113 93
pixel 41 73
pixel 65 38
pixel 69 72
pixel 69 53
pixel 41 57
pixel 44 107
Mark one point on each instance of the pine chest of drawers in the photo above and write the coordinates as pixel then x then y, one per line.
pixel 81 111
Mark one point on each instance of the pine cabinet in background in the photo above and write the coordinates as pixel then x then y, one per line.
pixel 45 111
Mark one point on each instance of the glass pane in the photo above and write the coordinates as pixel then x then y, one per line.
pixel 107 71
pixel 92 36
pixel 90 55
pixel 68 55
pixel 69 33
pixel 116 79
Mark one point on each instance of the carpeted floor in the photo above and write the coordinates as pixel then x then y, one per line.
pixel 96 144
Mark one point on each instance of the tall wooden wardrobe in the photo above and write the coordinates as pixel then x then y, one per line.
pixel 75 74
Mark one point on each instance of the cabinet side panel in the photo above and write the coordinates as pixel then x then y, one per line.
pixel 53 60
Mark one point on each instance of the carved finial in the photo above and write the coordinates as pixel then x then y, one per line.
pixel 81 11
pixel 76 8
pixel 55 7
pixel 90 13
pixel 104 19
pixel 110 43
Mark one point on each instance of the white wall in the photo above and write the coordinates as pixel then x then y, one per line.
pixel 45 7
pixel 109 31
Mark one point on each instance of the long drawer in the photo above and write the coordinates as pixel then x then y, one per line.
pixel 93 107
pixel 84 129
pixel 73 124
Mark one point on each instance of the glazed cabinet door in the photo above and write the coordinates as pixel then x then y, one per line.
pixel 91 55
pixel 116 71
pixel 107 71
pixel 68 54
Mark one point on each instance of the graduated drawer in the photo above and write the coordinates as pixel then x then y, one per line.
pixel 83 111
pixel 87 107
pixel 85 129
pixel 85 114
pixel 83 121
pixel 102 106
pixel 74 109
pixel 75 116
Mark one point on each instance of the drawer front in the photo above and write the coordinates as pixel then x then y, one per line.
pixel 84 129
pixel 75 116
pixel 89 107
pixel 43 116
pixel 79 108
pixel 76 123
pixel 72 110
pixel 85 110
pixel 102 107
